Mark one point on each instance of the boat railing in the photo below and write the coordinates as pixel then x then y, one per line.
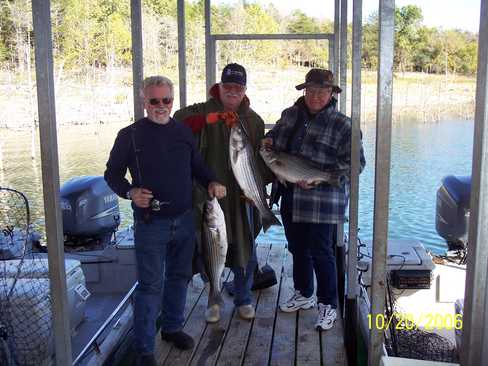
pixel 93 343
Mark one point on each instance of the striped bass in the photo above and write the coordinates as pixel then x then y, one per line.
pixel 246 172
pixel 292 168
pixel 214 248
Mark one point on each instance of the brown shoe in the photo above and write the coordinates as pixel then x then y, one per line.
pixel 212 314
pixel 246 312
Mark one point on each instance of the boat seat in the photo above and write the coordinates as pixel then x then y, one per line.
pixel 459 187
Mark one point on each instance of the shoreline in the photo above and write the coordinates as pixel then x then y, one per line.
pixel 108 97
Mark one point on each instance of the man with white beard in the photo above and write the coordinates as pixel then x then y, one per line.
pixel 162 160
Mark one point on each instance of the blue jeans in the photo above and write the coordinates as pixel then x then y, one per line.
pixel 243 280
pixel 312 247
pixel 164 250
pixel 243 277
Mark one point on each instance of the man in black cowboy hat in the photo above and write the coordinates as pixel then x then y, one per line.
pixel 313 129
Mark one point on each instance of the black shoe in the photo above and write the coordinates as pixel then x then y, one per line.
pixel 180 339
pixel 146 360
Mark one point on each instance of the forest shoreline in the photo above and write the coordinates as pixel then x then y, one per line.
pixel 107 97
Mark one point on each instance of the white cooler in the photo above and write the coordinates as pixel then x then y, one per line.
pixel 38 269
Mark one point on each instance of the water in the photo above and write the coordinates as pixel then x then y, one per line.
pixel 421 155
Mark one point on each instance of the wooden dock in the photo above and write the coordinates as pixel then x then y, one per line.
pixel 272 338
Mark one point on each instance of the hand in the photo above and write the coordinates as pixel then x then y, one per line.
pixel 229 118
pixel 216 190
pixel 267 143
pixel 304 185
pixel 141 197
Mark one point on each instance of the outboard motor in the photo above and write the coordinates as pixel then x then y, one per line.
pixel 90 210
pixel 452 211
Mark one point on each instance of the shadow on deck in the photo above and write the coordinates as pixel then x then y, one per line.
pixel 272 338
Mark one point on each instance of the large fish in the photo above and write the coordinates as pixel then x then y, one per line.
pixel 291 168
pixel 246 172
pixel 214 247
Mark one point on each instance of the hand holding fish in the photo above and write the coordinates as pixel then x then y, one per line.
pixel 141 196
pixel 229 118
pixel 267 143
pixel 304 185
pixel 217 190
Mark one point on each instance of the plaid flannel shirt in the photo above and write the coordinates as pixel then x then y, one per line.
pixel 327 144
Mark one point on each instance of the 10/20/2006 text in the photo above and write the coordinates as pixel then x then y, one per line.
pixel 410 321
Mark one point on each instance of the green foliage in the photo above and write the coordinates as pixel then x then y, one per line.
pixel 301 23
pixel 16 32
pixel 162 7
pixel 420 48
pixel 7 29
pixel 90 34
pixel 407 24
pixel 94 33
pixel 370 44
pixel 308 53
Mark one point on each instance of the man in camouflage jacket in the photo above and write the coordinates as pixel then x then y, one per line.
pixel 213 142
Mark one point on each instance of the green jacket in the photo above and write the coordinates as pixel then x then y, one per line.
pixel 213 143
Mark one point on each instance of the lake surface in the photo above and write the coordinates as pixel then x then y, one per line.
pixel 421 155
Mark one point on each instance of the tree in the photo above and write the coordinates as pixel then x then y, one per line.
pixel 407 23
pixel 370 43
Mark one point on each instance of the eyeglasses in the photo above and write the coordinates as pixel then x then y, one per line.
pixel 232 87
pixel 156 101
pixel 320 92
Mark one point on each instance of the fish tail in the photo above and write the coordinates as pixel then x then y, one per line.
pixel 270 219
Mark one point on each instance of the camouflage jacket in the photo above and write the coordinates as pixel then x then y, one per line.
pixel 213 143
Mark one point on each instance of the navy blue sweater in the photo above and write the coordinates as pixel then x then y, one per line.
pixel 168 160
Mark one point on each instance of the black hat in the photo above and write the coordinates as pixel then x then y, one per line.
pixel 320 78
pixel 234 73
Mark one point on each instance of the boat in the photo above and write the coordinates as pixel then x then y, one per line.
pixel 100 276
pixel 424 313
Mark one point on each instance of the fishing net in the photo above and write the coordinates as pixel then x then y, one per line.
pixel 25 303
pixel 406 339
pixel 422 345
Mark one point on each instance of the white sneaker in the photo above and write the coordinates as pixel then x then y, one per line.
pixel 212 314
pixel 326 318
pixel 297 302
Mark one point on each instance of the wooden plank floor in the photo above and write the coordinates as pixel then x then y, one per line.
pixel 272 338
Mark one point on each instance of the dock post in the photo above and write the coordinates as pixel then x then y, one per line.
pixel 474 349
pixel 181 52
pixel 41 15
pixel 382 174
pixel 351 308
pixel 137 60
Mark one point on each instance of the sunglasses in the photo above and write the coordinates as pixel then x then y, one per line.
pixel 156 101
